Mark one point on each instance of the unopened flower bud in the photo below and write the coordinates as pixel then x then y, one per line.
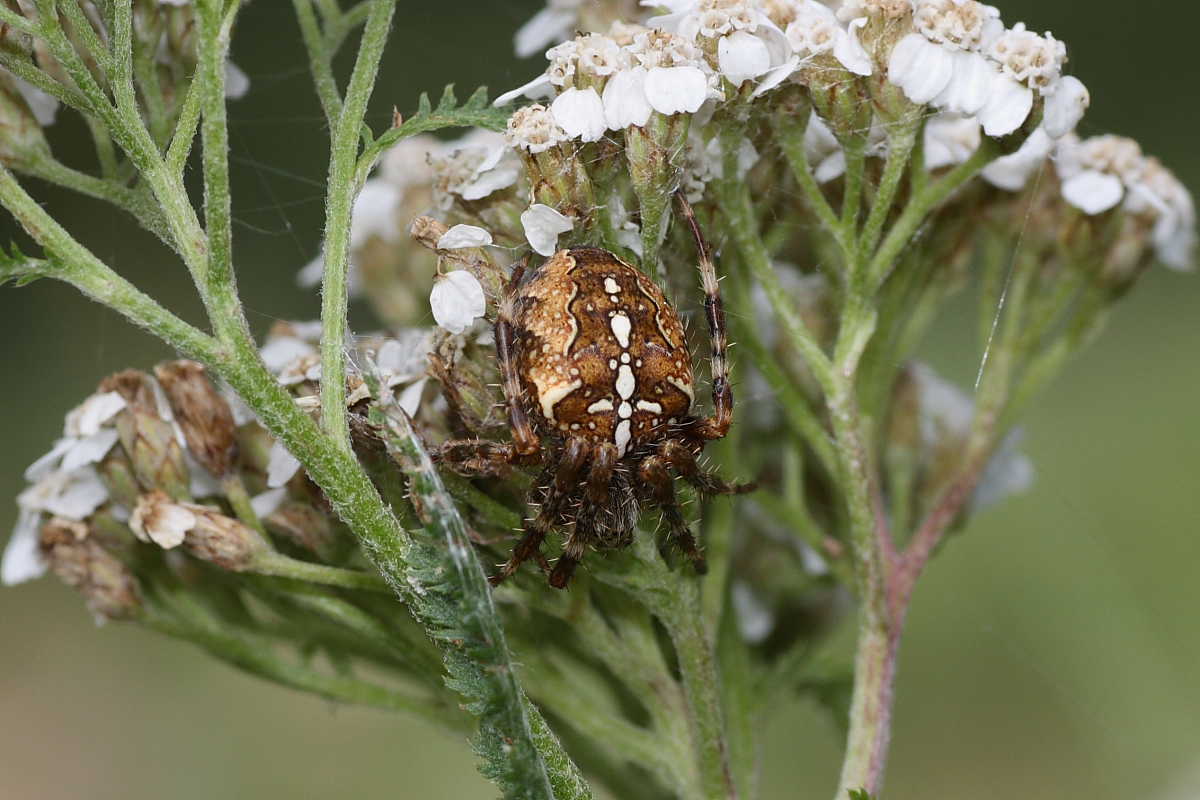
pixel 205 533
pixel 109 587
pixel 202 413
pixel 146 437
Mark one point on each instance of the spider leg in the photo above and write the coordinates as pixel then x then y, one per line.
pixel 573 461
pixel 475 457
pixel 683 460
pixel 658 479
pixel 525 438
pixel 716 426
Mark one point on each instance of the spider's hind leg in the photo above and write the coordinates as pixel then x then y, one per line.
pixel 684 461
pixel 659 481
pixel 574 459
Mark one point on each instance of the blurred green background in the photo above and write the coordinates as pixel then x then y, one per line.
pixel 1052 651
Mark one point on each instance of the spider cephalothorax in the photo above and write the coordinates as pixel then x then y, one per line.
pixel 599 387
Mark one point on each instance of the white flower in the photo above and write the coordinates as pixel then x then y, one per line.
pixel 1008 106
pixel 1095 172
pixel 89 416
pixel 970 86
pixel 457 300
pixel 1032 60
pixel 921 68
pixel 742 56
pixel 580 113
pixel 551 24
pixel 1065 107
pixel 599 56
pixel 540 88
pixel 676 90
pixel 754 620
pixel 1012 172
pixel 1159 195
pixel 281 465
pixel 533 129
pixel 23 559
pixel 625 102
pixel 472 167
pixel 543 225
pixel 950 139
pixel 237 83
pixel 74 495
pixel 816 30
pixel 825 154
pixel 461 236
pixel 162 522
pixel 268 502
pixel 281 351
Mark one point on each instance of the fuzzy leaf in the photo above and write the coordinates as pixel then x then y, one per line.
pixel 474 113
pixel 860 794
pixel 19 268
pixel 451 597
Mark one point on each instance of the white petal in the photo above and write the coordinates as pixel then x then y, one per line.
pixel 969 86
pixel 625 102
pixel 374 213
pixel 850 52
pixel 1065 107
pixel 545 27
pixel 49 462
pixel 237 83
pixel 98 409
pixel 281 351
pixel 776 76
pixel 831 167
pixel 81 493
pixel 168 526
pixel 754 620
pixel 543 225
pixel 671 90
pixel 457 300
pixel 950 139
pixel 491 180
pixel 464 236
pixel 920 67
pixel 742 56
pixel 22 557
pixel 410 398
pixel 1007 107
pixel 89 450
pixel 266 503
pixel 281 466
pixel 1093 192
pixel 536 88
pixel 1012 172
pixel 580 112
pixel 312 272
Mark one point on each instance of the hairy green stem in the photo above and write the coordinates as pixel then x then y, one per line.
pixel 270 563
pixel 339 205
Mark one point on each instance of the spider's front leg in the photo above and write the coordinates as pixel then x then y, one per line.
pixel 657 477
pixel 716 426
pixel 683 460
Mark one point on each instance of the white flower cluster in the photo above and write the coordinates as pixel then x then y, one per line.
pixel 65 483
pixel 600 85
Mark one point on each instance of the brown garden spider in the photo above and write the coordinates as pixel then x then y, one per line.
pixel 598 385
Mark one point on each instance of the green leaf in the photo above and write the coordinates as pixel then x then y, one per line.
pixel 19 268
pixel 860 794
pixel 451 598
pixel 474 113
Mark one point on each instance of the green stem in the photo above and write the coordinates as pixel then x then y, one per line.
pixel 132 201
pixel 900 145
pixel 271 563
pixel 258 657
pixel 319 61
pixel 790 134
pixel 921 205
pixel 339 204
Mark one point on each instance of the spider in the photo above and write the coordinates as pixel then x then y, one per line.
pixel 598 387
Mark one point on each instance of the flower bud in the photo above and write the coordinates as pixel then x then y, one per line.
pixel 109 587
pixel 205 533
pixel 148 440
pixel 202 413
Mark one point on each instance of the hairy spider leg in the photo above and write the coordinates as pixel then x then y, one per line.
pixel 683 460
pixel 575 458
pixel 653 470
pixel 717 425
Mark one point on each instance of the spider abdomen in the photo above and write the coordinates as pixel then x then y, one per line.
pixel 600 352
